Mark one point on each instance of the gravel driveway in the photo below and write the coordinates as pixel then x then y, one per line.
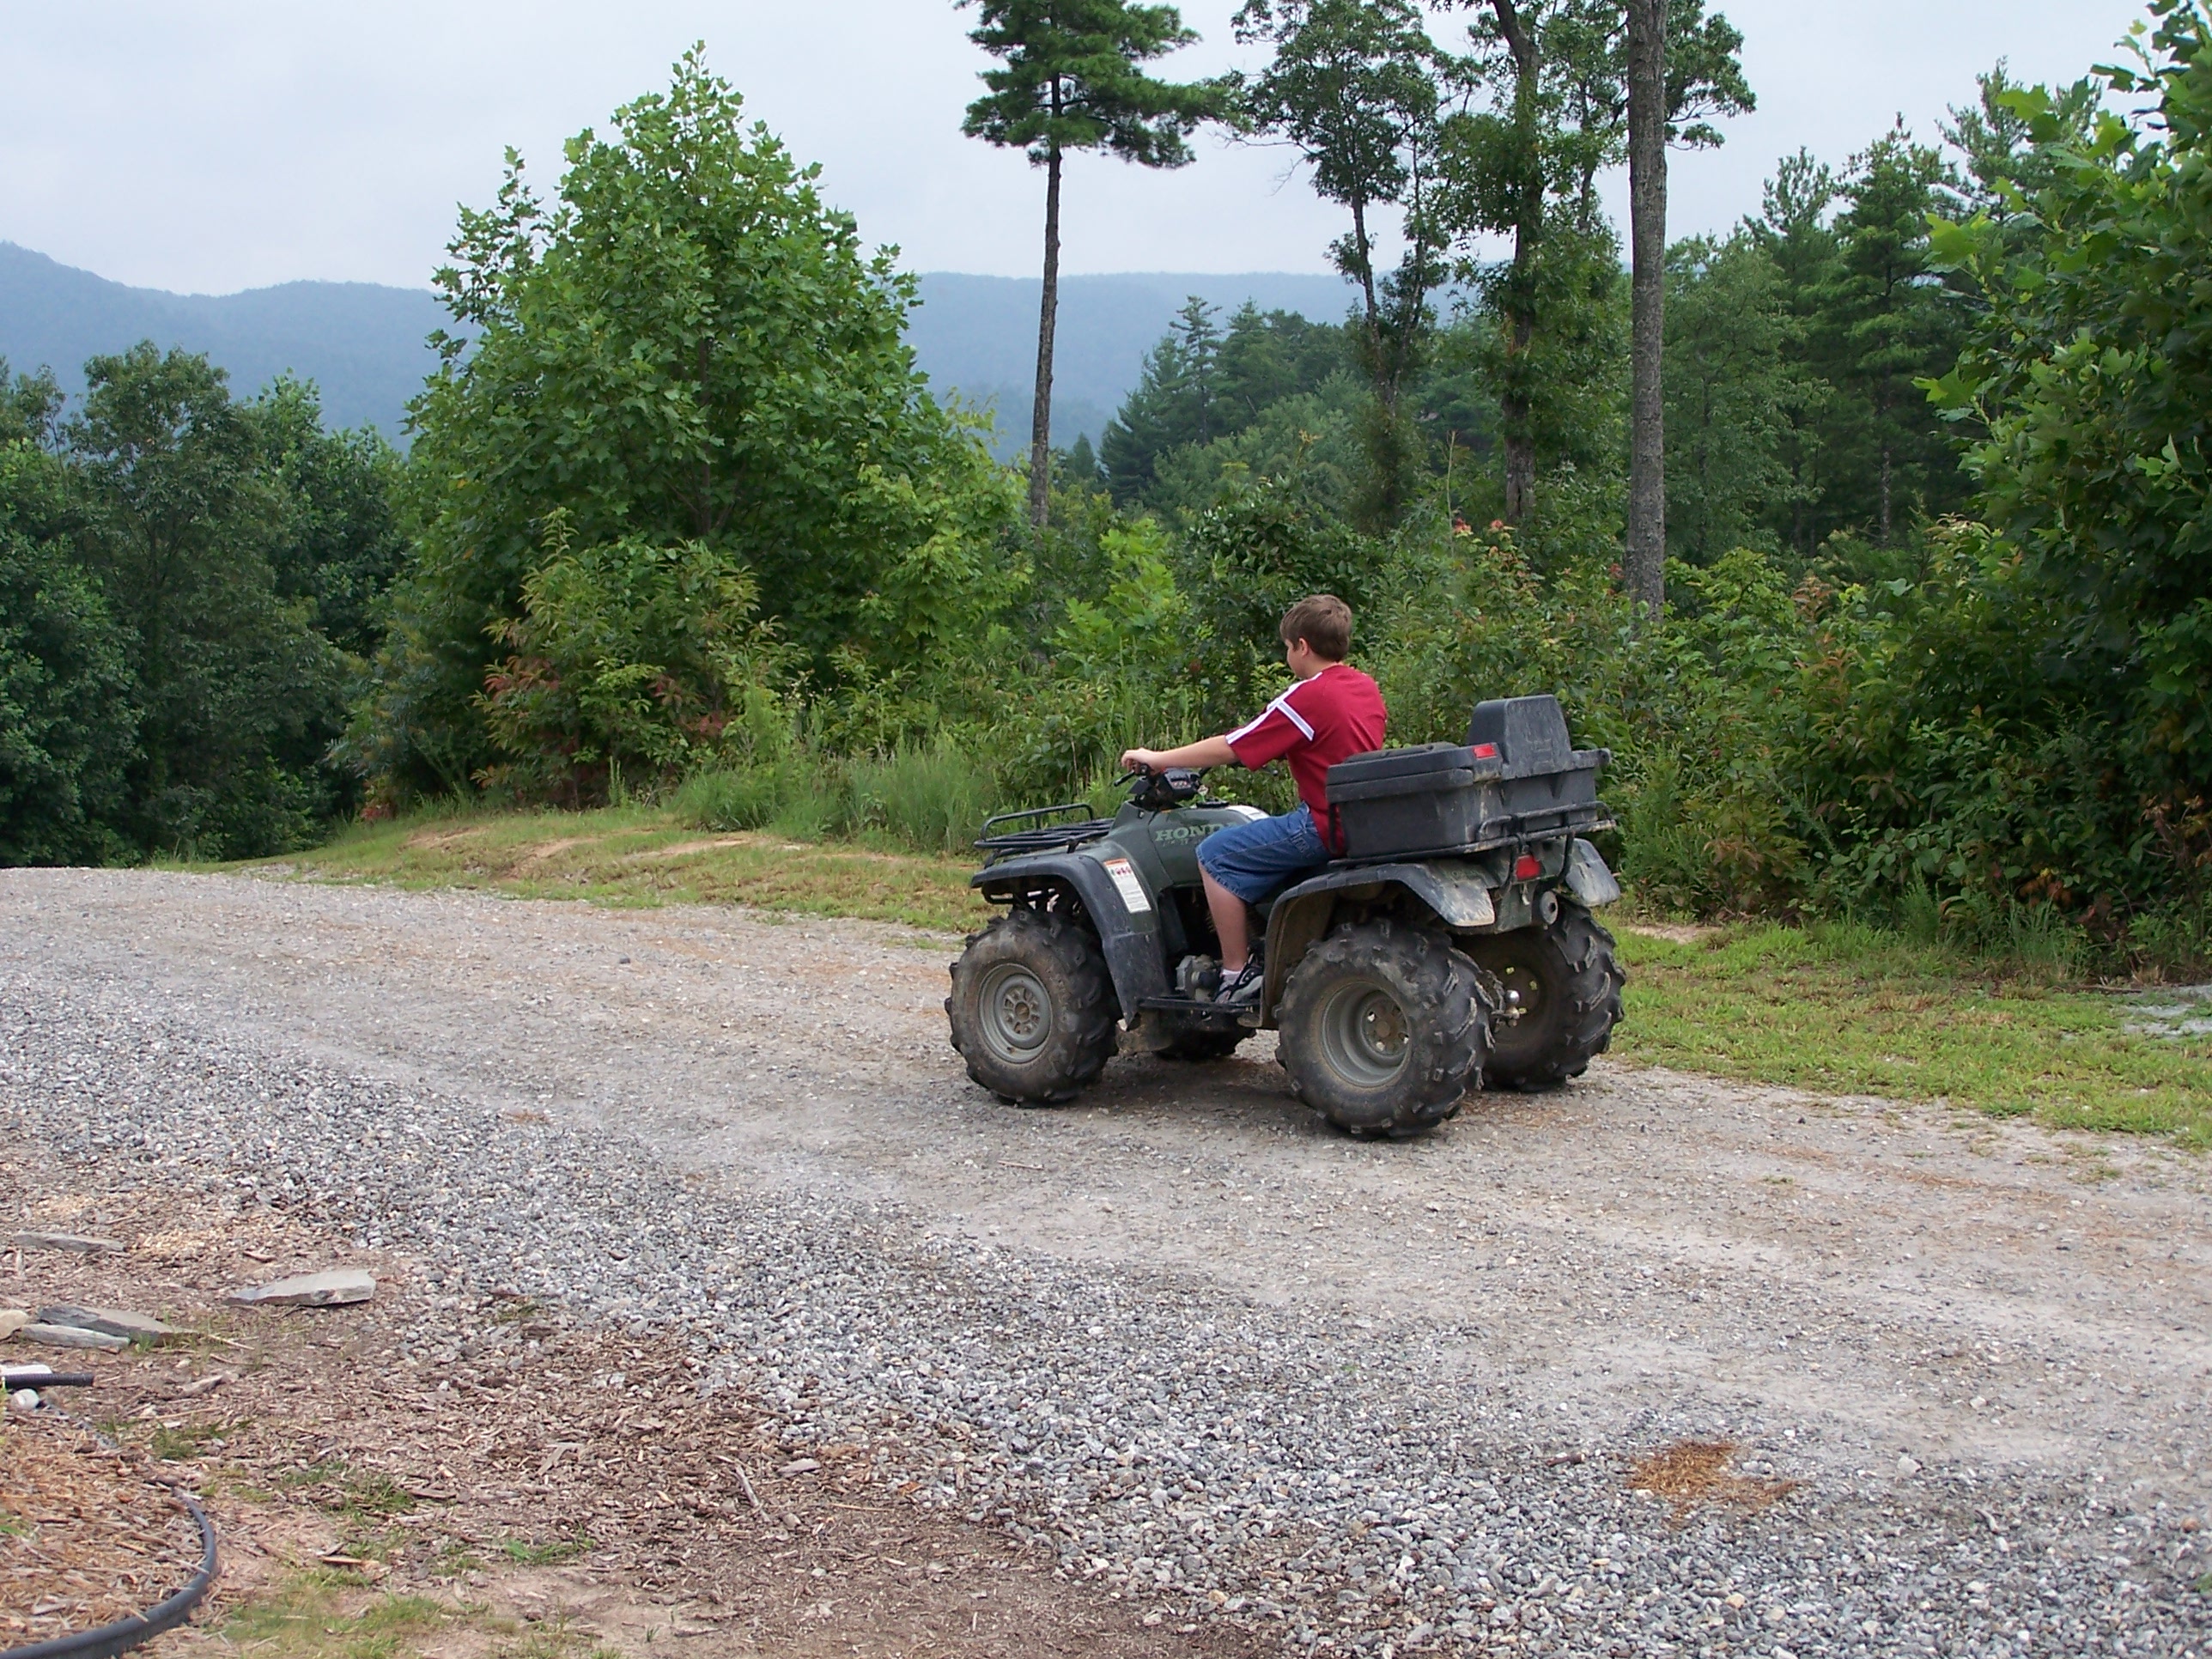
pixel 1368 1397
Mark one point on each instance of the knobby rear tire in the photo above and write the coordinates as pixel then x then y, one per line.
pixel 1568 979
pixel 1384 1026
pixel 1032 1008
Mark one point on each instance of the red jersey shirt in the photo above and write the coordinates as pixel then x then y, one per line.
pixel 1334 716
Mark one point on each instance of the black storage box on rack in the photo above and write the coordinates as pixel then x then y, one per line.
pixel 1516 777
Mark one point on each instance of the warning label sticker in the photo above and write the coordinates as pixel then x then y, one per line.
pixel 1125 880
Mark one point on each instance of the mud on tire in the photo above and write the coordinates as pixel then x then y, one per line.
pixel 1566 979
pixel 1032 1007
pixel 1383 1027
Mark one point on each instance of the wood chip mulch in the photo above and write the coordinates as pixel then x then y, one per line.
pixel 482 1448
pixel 87 1534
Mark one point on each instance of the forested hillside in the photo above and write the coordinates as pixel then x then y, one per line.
pixel 686 521
pixel 361 344
pixel 365 346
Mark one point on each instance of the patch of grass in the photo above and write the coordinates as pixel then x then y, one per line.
pixel 1844 1009
pixel 544 1552
pixel 309 1474
pixel 647 856
pixel 182 1445
pixel 311 1617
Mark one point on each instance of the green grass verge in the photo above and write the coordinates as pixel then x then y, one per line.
pixel 1828 1008
pixel 647 856
pixel 1849 1009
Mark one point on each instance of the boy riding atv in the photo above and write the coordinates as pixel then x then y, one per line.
pixel 1331 714
pixel 1427 912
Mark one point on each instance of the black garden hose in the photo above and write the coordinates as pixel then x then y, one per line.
pixel 127 1633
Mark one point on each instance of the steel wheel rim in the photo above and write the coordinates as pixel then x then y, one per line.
pixel 1016 1013
pixel 1364 1035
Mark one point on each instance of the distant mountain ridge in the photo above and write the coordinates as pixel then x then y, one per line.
pixel 363 343
pixel 360 343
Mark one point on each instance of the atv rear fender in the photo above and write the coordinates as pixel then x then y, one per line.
pixel 1080 883
pixel 1476 895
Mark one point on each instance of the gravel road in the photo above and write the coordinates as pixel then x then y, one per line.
pixel 1374 1398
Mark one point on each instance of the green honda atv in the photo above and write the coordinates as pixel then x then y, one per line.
pixel 1453 947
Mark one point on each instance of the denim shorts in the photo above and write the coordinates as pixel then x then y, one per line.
pixel 1257 859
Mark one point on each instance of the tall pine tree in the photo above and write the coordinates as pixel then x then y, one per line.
pixel 1068 80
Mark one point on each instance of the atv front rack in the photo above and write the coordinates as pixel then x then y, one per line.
pixel 1039 837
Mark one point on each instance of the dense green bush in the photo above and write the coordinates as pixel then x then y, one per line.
pixel 689 350
pixel 67 729
pixel 186 581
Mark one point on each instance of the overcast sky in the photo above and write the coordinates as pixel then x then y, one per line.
pixel 231 143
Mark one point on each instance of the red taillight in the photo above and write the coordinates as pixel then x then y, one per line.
pixel 1485 752
pixel 1528 867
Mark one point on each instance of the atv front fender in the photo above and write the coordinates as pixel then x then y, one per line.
pixel 1457 889
pixel 1129 936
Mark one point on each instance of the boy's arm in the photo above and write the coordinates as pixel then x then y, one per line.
pixel 1206 752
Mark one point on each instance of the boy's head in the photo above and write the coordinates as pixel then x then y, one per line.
pixel 1324 623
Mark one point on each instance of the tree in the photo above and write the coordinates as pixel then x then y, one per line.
pixel 2091 371
pixel 1881 321
pixel 339 541
pixel 1354 88
pixel 1546 85
pixel 1647 213
pixel 689 347
pixel 1995 139
pixel 1068 80
pixel 1199 384
pixel 1734 388
pixel 240 695
pixel 67 725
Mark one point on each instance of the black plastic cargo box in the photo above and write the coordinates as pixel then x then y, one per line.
pixel 1517 777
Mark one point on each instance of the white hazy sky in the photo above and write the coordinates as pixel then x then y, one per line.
pixel 222 144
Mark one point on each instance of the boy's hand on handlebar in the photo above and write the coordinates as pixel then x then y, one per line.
pixel 1140 760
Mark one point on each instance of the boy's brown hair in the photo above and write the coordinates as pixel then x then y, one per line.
pixel 1324 623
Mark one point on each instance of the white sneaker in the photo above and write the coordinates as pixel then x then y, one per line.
pixel 1242 987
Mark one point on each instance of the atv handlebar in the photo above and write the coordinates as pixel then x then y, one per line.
pixel 1159 792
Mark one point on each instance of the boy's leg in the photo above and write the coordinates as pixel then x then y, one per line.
pixel 1232 921
pixel 1250 864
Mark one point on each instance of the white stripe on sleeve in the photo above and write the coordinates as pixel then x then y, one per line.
pixel 1280 706
pixel 1296 718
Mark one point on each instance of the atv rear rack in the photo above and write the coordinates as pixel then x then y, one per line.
pixel 1039 837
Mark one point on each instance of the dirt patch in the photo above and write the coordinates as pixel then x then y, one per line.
pixel 484 1472
pixel 87 1536
pixel 553 849
pixel 1693 1474
pixel 1675 933
pixel 684 848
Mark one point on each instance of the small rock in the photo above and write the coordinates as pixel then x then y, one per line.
pixel 1907 1464
pixel 69 1336
pixel 801 1466
pixel 78 1243
pixel 329 1289
pixel 109 1322
pixel 12 1319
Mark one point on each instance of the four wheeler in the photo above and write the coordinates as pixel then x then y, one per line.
pixel 1453 945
